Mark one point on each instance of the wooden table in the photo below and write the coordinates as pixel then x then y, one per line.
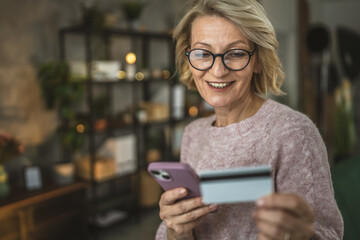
pixel 54 212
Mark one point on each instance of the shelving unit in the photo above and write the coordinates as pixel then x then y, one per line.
pixel 140 92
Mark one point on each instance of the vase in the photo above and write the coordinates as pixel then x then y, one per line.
pixel 4 186
pixel 134 24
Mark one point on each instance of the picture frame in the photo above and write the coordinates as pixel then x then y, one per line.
pixel 32 177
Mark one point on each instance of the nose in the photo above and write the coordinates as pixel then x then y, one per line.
pixel 218 69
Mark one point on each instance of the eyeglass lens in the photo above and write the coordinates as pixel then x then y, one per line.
pixel 235 59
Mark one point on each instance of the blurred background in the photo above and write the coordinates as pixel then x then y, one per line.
pixel 89 97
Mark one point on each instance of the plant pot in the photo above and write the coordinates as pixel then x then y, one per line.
pixel 132 10
pixel 134 25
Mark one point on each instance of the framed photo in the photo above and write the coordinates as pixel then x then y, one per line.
pixel 32 177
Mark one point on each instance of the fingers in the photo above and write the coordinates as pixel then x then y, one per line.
pixel 181 207
pixel 183 230
pixel 281 214
pixel 276 217
pixel 269 228
pixel 169 197
pixel 194 214
pixel 184 223
pixel 289 202
pixel 270 231
pixel 275 223
pixel 263 236
pixel 188 210
pixel 181 217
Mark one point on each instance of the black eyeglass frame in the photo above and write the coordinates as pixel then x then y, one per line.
pixel 250 53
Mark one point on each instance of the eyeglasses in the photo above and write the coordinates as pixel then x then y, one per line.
pixel 233 59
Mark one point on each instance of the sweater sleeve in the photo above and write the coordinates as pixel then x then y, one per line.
pixel 303 168
pixel 161 233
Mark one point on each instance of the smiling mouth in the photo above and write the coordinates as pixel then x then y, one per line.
pixel 220 85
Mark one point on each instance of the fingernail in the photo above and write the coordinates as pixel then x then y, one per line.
pixel 260 202
pixel 212 206
pixel 182 191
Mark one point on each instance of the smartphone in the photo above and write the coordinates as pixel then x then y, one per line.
pixel 172 175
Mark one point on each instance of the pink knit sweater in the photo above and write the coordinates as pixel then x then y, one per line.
pixel 276 135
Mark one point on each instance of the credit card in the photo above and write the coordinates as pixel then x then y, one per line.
pixel 233 185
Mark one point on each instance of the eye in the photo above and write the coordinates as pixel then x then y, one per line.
pixel 236 54
pixel 200 54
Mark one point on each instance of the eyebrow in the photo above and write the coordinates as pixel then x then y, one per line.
pixel 227 46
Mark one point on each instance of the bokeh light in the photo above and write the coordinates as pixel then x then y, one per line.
pixel 166 74
pixel 80 128
pixel 130 58
pixel 193 111
pixel 121 74
pixel 139 76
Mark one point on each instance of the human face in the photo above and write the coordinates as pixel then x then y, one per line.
pixel 219 86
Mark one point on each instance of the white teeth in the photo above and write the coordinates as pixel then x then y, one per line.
pixel 219 85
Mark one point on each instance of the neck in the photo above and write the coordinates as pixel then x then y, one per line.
pixel 244 109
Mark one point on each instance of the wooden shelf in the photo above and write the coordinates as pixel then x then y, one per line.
pixel 116 31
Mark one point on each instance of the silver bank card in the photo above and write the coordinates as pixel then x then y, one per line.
pixel 244 184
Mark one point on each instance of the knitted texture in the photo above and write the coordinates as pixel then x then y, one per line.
pixel 278 136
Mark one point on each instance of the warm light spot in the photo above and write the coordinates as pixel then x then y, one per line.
pixel 166 74
pixel 80 128
pixel 100 124
pixel 139 76
pixel 130 58
pixel 121 74
pixel 193 111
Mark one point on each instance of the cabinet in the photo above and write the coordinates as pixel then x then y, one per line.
pixel 51 213
pixel 138 94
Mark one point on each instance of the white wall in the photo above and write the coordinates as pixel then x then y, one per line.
pixel 283 15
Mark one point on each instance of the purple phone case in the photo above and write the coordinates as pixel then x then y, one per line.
pixel 182 175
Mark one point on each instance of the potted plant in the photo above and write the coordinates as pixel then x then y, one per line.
pixel 345 134
pixel 132 10
pixel 92 17
pixel 9 148
pixel 62 92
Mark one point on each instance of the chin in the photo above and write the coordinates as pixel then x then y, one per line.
pixel 216 103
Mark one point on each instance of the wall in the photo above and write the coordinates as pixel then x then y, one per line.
pixel 334 14
pixel 28 37
pixel 22 33
pixel 283 16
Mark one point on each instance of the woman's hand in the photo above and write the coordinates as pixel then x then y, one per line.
pixel 181 217
pixel 284 217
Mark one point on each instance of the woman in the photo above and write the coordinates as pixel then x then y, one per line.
pixel 226 49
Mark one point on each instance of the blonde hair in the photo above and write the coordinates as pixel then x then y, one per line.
pixel 252 21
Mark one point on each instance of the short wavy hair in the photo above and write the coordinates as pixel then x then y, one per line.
pixel 252 21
